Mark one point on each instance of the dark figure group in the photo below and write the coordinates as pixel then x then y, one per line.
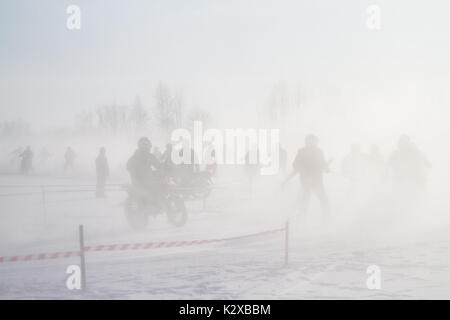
pixel 27 155
pixel 147 167
pixel 406 166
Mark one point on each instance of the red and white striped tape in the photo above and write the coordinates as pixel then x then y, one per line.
pixel 40 256
pixel 127 246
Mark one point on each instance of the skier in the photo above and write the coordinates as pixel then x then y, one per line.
pixel 310 164
pixel 27 160
pixel 69 157
pixel 102 171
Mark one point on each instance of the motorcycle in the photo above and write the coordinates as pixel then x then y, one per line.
pixel 198 186
pixel 142 203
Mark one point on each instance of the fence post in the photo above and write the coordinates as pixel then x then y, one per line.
pixel 286 243
pixel 82 258
pixel 44 204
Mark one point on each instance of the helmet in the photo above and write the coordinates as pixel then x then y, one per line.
pixel 144 143
pixel 311 140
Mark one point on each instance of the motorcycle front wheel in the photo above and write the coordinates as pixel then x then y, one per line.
pixel 176 211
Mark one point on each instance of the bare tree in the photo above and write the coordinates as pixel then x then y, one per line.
pixel 138 118
pixel 168 109
pixel 112 118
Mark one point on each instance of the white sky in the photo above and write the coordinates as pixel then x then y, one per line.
pixel 224 55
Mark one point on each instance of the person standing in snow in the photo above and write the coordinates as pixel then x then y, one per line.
pixel 69 158
pixel 310 164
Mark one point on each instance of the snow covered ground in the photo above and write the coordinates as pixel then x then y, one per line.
pixel 328 257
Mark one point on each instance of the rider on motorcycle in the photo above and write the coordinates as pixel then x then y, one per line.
pixel 150 194
pixel 144 168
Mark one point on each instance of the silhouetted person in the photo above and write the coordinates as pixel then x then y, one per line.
pixel 102 171
pixel 69 159
pixel 27 160
pixel 143 165
pixel 408 166
pixel 310 164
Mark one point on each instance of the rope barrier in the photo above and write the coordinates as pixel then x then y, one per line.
pixel 128 246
